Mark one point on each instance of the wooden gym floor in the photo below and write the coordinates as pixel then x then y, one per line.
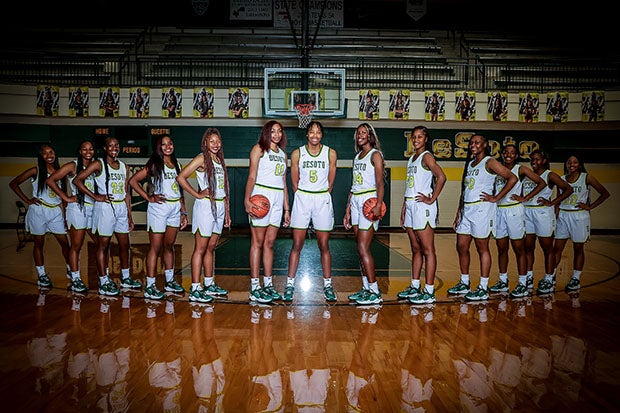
pixel 65 352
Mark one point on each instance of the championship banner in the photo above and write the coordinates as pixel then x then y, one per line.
pixel 593 106
pixel 290 10
pixel 369 104
pixel 528 107
pixel 203 102
pixel 109 98
pixel 47 100
pixel 399 104
pixel 465 106
pixel 557 107
pixel 497 106
pixel 78 102
pixel 171 102
pixel 434 105
pixel 238 102
pixel 139 102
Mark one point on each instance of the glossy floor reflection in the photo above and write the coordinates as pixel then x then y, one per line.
pixel 67 352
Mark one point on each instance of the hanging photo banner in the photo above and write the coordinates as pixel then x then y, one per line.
pixel 333 14
pixel 528 107
pixel 399 104
pixel 434 105
pixel 593 106
pixel 47 100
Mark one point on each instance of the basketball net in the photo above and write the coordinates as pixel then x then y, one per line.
pixel 304 114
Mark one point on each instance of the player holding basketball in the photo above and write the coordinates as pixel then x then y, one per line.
pixel 267 176
pixel 368 182
pixel 313 171
pixel 210 214
pixel 425 180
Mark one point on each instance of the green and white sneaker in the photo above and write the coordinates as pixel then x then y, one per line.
pixel 357 295
pixel 530 282
pixel 272 292
pixel 197 295
pixel 545 286
pixel 173 287
pixel 479 294
pixel 459 288
pixel 370 297
pixel 78 286
pixel 573 285
pixel 289 290
pixel 215 290
pixel 329 294
pixel 423 298
pixel 129 282
pixel 519 291
pixel 260 296
pixel 153 293
pixel 499 287
pixel 44 281
pixel 408 292
pixel 109 288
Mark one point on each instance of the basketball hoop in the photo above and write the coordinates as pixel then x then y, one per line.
pixel 304 114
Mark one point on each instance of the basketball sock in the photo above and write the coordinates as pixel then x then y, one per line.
pixel 365 282
pixel 484 282
pixel 530 274
pixel 373 287
pixel 150 281
pixel 169 274
pixel 465 278
pixel 522 279
pixel 208 281
pixel 267 281
pixel 195 286
pixel 576 274
pixel 503 276
pixel 327 282
pixel 125 272
pixel 40 269
pixel 415 283
pixel 75 275
pixel 103 280
pixel 254 283
pixel 430 288
pixel 290 281
pixel 549 277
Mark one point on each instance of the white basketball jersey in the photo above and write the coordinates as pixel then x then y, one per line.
pixel 581 193
pixel 271 169
pixel 419 178
pixel 363 173
pixel 47 196
pixel 500 183
pixel 529 185
pixel 313 170
pixel 478 180
pixel 116 180
pixel 168 186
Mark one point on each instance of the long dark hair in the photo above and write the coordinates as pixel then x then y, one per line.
pixel 42 169
pixel 582 167
pixel 373 139
pixel 79 166
pixel 264 140
pixel 155 164
pixel 209 169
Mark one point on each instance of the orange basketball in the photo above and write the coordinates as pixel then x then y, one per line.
pixel 369 205
pixel 261 205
